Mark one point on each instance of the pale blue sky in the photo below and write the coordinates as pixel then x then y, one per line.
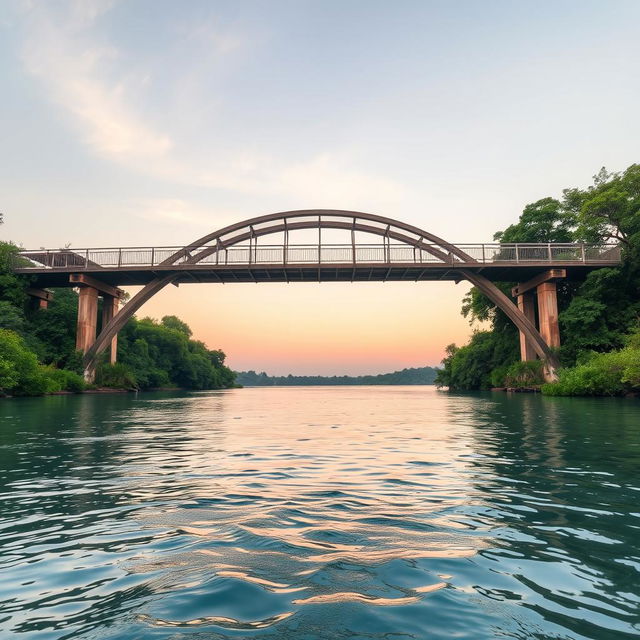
pixel 154 122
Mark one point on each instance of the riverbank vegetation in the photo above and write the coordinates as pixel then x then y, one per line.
pixel 418 375
pixel 599 318
pixel 38 356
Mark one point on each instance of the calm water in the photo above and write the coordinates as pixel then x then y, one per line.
pixel 363 512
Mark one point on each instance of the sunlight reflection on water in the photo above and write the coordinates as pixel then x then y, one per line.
pixel 319 513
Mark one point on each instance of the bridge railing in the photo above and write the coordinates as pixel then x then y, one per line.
pixel 253 254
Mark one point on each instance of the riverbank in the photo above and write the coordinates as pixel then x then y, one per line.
pixel 97 391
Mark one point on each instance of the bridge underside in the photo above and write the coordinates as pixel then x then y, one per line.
pixel 347 272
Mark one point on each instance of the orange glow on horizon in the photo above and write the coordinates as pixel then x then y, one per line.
pixel 324 329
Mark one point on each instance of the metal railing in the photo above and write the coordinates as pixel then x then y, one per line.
pixel 282 254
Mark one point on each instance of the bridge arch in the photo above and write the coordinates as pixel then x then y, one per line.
pixel 288 221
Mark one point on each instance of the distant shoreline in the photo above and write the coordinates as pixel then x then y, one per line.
pixel 411 376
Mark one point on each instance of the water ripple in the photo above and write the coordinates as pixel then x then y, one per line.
pixel 311 513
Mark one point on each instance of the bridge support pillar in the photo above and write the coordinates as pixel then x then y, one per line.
pixel 90 289
pixel 526 304
pixel 109 309
pixel 41 297
pixel 548 313
pixel 87 318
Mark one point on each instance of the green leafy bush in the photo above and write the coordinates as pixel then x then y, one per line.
pixel 63 380
pixel 524 374
pixel 118 376
pixel 20 373
pixel 603 374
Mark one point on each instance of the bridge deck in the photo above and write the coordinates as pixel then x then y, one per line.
pixel 311 263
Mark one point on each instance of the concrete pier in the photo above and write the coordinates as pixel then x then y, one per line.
pixel 544 288
pixel 90 290
pixel 526 304
pixel 548 313
pixel 109 309
pixel 87 318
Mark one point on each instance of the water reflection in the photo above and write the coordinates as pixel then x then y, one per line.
pixel 319 513
pixel 560 478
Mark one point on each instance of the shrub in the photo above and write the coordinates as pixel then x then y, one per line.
pixel 524 374
pixel 20 373
pixel 117 375
pixel 63 380
pixel 498 375
pixel 602 374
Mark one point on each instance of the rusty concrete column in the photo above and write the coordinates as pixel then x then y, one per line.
pixel 87 318
pixel 109 309
pixel 548 313
pixel 526 304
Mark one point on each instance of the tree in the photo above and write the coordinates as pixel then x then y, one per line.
pixel 611 208
pixel 173 322
pixel 546 220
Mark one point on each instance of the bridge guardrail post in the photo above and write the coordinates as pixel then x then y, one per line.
pixel 550 252
pixel 584 258
pixel 517 253
pixel 483 256
pixel 86 258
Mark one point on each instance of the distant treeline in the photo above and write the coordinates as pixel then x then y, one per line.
pixel 421 375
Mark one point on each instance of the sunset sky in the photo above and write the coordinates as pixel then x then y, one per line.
pixel 151 122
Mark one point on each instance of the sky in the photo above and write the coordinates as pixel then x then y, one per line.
pixel 154 122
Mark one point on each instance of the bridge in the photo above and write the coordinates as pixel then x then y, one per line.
pixel 303 247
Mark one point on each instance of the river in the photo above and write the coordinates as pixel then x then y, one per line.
pixel 319 512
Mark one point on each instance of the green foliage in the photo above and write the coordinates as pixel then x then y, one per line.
pixel 611 209
pixel 173 322
pixel 12 287
pixel 603 374
pixel 52 332
pixel 524 374
pixel 547 220
pixel 11 317
pixel 162 354
pixel 470 366
pixel 117 376
pixel 62 380
pixel 20 373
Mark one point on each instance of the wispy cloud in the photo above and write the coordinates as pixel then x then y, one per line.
pixel 177 211
pixel 72 67
pixel 107 93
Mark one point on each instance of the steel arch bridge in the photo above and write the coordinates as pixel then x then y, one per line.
pixel 236 253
